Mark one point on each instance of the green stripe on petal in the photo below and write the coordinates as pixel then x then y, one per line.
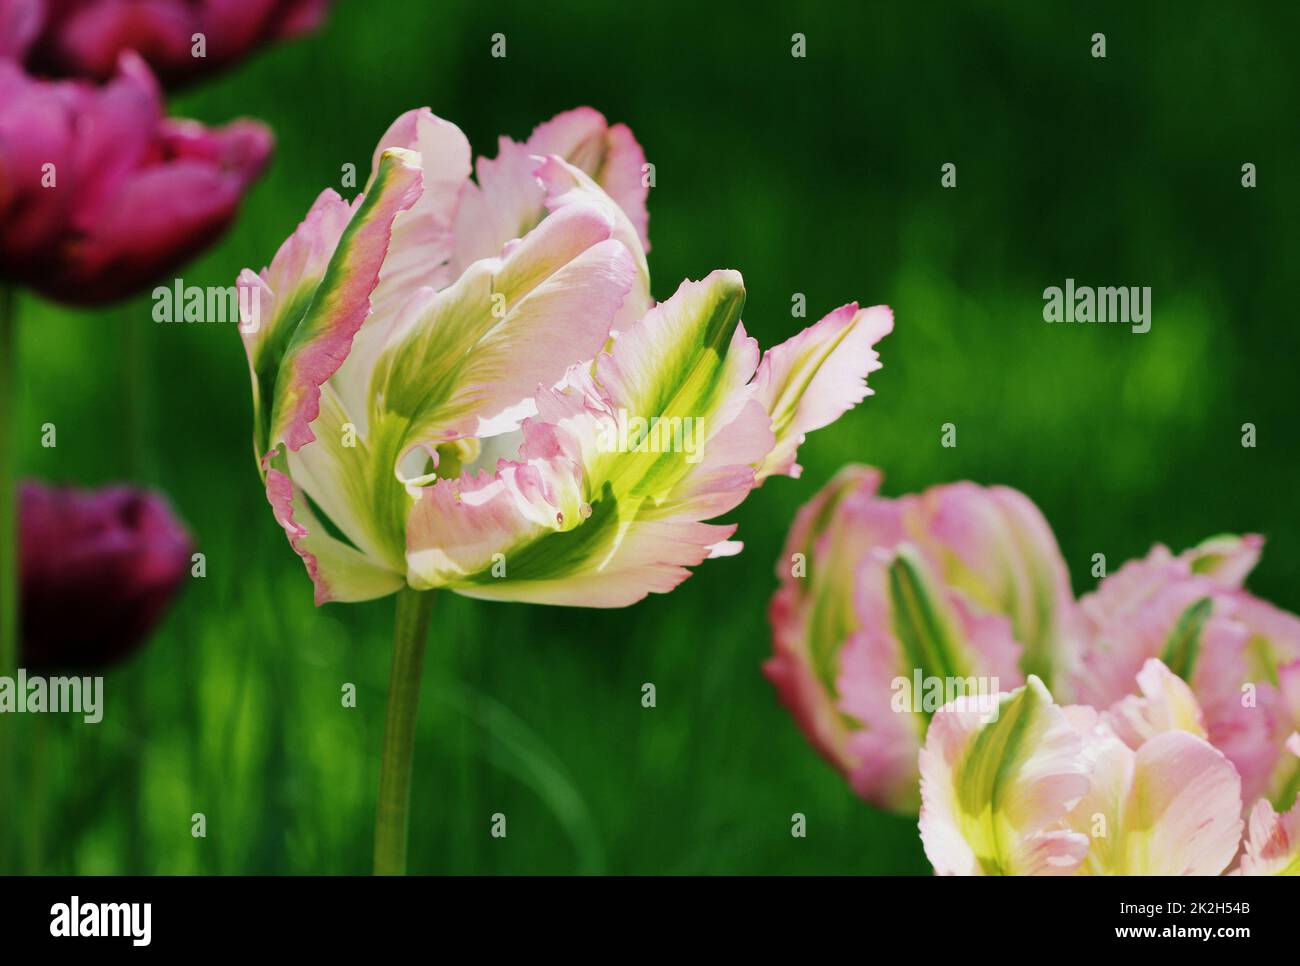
pixel 340 304
pixel 994 792
pixel 272 303
pixel 1184 641
pixel 676 363
pixel 925 629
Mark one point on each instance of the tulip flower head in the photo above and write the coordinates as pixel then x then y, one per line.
pixel 100 194
pixel 887 606
pixel 469 380
pixel 1240 654
pixel 1051 790
pixel 181 40
pixel 98 570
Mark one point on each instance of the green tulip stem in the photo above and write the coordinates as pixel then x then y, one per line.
pixel 8 511
pixel 8 557
pixel 392 816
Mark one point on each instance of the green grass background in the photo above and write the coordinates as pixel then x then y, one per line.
pixel 816 175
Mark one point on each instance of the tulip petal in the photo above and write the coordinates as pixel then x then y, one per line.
pixel 474 350
pixel 1227 558
pixel 814 377
pixel 336 471
pixel 338 572
pixel 813 619
pixel 322 339
pixel 272 304
pixel 993 545
pixel 605 513
pixel 423 236
pixel 1182 812
pixel 565 184
pixel 610 156
pixel 508 200
pixel 1170 807
pixel 1166 704
pixel 1272 841
pixel 993 793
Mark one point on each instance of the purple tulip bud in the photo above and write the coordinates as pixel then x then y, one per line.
pixel 98 568
pixel 182 40
pixel 100 194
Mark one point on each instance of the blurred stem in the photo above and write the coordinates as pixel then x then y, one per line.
pixel 37 751
pixel 139 400
pixel 392 816
pixel 8 511
pixel 8 558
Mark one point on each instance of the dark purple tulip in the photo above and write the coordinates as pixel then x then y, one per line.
pixel 84 38
pixel 97 569
pixel 100 194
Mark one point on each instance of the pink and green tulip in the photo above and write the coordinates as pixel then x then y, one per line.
pixel 1272 845
pixel 960 583
pixel 1240 654
pixel 445 369
pixel 1048 790
pixel 451 412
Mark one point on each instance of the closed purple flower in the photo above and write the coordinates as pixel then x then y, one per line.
pixel 100 194
pixel 84 38
pixel 97 568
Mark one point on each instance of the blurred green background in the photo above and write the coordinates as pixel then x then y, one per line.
pixel 818 175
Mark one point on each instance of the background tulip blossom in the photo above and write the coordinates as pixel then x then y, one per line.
pixel 958 583
pixel 1240 654
pixel 101 194
pixel 445 369
pixel 84 38
pixel 1135 790
pixel 98 570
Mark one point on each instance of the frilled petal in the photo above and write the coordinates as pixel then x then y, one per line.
pixel 1272 841
pixel 994 793
pixel 323 337
pixel 338 572
pixel 508 199
pixel 1166 704
pixel 423 241
pixel 609 154
pixel 814 377
pixel 272 303
pixel 299 318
